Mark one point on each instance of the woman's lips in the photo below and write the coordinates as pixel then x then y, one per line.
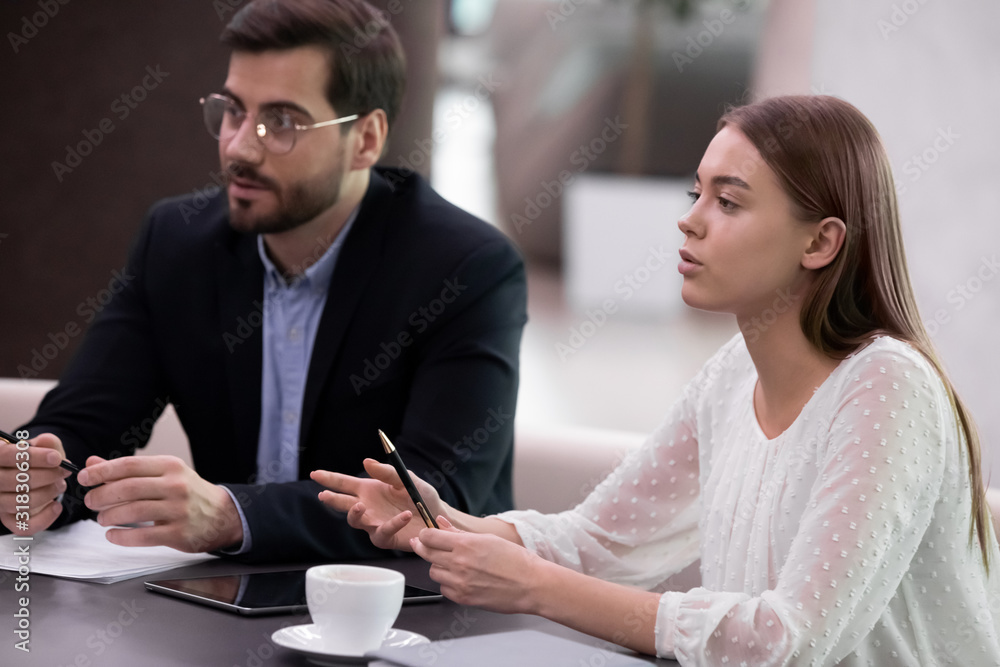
pixel 688 263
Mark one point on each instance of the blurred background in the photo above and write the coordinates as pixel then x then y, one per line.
pixel 575 126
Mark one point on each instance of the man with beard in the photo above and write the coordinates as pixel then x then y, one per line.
pixel 315 300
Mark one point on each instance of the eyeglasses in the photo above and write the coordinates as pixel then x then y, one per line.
pixel 275 129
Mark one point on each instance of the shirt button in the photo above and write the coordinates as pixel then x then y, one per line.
pixel 290 417
pixel 294 334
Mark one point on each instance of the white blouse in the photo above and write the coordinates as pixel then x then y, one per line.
pixel 843 541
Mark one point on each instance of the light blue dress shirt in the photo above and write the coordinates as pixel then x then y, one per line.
pixel 292 312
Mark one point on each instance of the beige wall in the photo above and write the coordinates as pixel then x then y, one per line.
pixel 928 75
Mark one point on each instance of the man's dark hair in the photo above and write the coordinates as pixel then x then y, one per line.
pixel 367 65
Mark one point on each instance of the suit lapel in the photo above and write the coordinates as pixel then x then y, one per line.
pixel 241 298
pixel 359 259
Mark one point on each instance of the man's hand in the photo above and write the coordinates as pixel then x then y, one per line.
pixel 31 478
pixel 185 511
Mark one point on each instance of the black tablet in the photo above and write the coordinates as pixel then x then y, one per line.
pixel 259 593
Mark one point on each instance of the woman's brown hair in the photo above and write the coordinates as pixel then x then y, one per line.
pixel 830 160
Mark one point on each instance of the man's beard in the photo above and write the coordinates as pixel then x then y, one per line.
pixel 297 204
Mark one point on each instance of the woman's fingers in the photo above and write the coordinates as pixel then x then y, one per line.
pixel 338 501
pixel 387 535
pixel 383 472
pixel 443 522
pixel 336 481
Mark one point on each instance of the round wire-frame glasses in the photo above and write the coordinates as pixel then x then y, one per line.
pixel 274 128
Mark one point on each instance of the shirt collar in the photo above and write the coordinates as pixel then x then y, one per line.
pixel 319 273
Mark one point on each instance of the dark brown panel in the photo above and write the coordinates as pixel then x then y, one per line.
pixel 64 69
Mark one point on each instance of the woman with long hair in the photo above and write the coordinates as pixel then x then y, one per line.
pixel 820 465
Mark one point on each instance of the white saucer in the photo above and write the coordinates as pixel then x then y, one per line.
pixel 306 640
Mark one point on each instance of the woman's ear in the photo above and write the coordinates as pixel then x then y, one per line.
pixel 827 240
pixel 371 131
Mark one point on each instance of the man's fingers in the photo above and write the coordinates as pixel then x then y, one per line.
pixel 99 471
pixel 10 478
pixel 40 519
pixel 38 497
pixel 127 490
pixel 47 515
pixel 144 536
pixel 137 512
pixel 48 441
pixel 38 457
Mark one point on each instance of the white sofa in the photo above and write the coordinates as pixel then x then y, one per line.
pixel 20 398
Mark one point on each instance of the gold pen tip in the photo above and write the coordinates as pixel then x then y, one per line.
pixel 385 442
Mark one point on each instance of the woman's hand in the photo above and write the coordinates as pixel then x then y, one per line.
pixel 481 569
pixel 487 570
pixel 379 506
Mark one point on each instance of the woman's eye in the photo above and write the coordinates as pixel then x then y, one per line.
pixel 726 204
pixel 693 195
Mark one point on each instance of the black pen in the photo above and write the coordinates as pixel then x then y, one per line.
pixel 404 476
pixel 65 464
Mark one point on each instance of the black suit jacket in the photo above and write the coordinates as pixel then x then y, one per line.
pixel 419 337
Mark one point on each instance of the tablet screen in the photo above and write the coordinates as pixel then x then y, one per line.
pixel 257 593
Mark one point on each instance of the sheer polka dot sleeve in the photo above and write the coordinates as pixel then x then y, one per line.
pixel 880 463
pixel 639 526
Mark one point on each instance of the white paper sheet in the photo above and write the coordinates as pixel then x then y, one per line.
pixel 80 551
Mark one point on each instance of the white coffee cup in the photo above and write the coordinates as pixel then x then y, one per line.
pixel 353 606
